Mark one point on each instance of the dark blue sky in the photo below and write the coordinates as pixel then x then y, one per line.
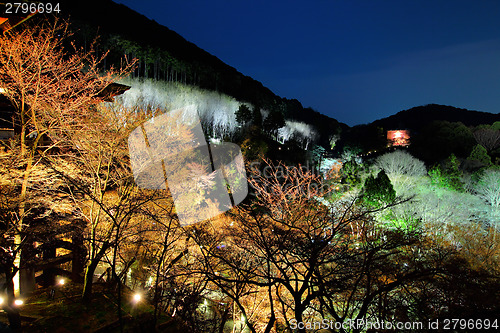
pixel 356 61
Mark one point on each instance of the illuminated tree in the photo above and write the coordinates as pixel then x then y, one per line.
pixel 318 154
pixel 479 156
pixel 9 205
pixel 402 169
pixel 307 260
pixel 447 176
pixel 157 241
pixel 432 203
pixel 333 140
pixel 378 191
pixel 351 153
pixel 351 173
pixel 100 164
pixel 116 210
pixel 489 137
pixel 488 187
pixel 303 133
pixel 49 87
pixel 216 111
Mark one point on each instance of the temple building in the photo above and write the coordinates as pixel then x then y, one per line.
pixel 398 138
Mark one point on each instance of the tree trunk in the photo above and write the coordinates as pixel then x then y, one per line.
pixel 10 308
pixel 156 298
pixel 49 277
pixel 117 279
pixel 299 310
pixel 77 265
pixel 88 281
pixel 89 274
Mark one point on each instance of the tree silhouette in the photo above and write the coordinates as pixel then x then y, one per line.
pixel 304 259
pixel 273 122
pixel 243 115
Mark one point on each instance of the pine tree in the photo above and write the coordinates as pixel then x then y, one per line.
pixel 273 122
pixel 480 154
pixel 350 173
pixel 257 117
pixel 378 191
pixel 243 115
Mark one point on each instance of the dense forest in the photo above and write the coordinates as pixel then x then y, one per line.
pixel 341 230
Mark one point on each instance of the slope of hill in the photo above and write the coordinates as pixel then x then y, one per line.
pixel 164 54
pixel 418 117
pixel 109 19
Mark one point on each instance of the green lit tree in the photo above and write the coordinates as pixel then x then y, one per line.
pixel 318 154
pixel 449 175
pixel 378 191
pixel 479 155
pixel 351 173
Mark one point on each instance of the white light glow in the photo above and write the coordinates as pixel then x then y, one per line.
pixel 18 302
pixel 136 298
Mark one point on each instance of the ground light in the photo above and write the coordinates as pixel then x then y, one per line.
pixel 136 298
pixel 17 302
pixel 62 282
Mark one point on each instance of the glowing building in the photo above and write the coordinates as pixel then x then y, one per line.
pixel 398 138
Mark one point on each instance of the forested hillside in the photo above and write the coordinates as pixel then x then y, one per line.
pixel 164 55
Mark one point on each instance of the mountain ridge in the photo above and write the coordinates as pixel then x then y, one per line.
pixel 417 117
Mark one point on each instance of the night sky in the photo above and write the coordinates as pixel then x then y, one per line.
pixel 356 61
